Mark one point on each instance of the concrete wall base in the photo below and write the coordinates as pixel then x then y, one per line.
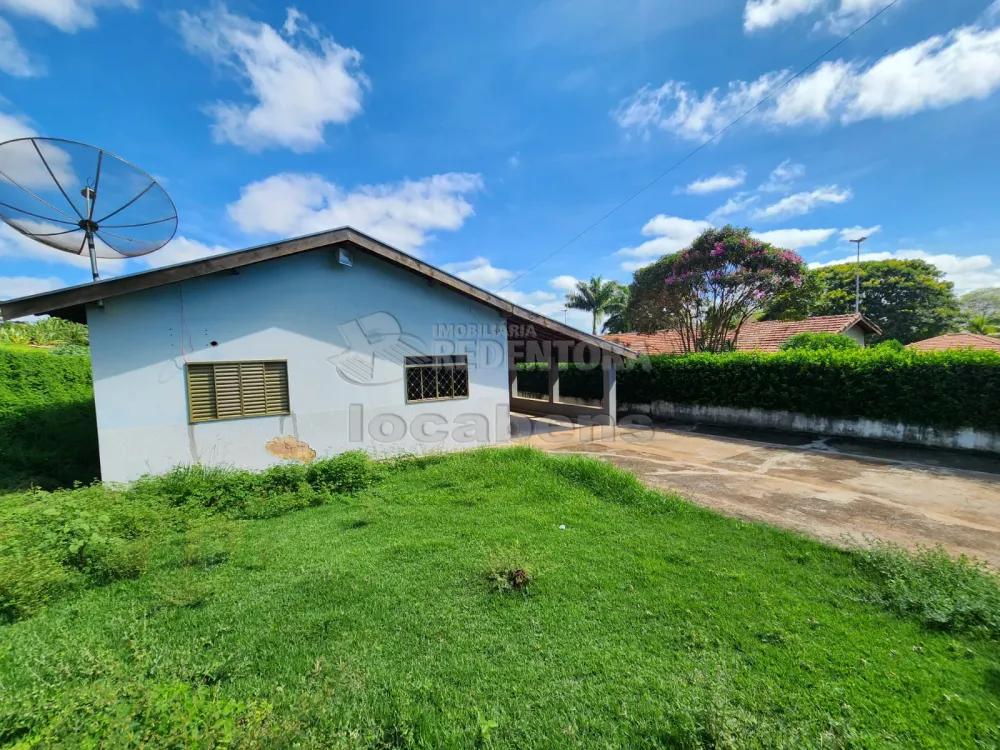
pixel 959 439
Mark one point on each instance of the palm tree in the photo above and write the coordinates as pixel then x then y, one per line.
pixel 983 325
pixel 595 296
pixel 619 317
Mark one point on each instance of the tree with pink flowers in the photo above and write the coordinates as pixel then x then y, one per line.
pixel 720 282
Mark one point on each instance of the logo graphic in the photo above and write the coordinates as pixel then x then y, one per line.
pixel 376 350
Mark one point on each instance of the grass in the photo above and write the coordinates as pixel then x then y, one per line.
pixel 387 616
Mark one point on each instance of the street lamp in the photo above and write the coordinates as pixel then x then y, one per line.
pixel 857 277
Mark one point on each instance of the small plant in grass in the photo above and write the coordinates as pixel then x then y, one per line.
pixel 507 573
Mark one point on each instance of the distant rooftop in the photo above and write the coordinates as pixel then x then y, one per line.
pixel 957 341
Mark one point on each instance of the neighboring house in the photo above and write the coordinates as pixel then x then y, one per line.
pixel 306 347
pixel 762 335
pixel 957 341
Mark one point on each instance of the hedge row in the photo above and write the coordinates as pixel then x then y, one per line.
pixel 48 427
pixel 938 389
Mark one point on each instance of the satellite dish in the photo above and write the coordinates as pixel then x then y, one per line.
pixel 71 196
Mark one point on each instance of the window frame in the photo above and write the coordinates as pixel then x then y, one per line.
pixel 458 361
pixel 212 364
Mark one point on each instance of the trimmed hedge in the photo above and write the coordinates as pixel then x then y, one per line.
pixel 48 427
pixel 938 389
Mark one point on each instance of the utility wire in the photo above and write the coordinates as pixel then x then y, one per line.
pixel 652 182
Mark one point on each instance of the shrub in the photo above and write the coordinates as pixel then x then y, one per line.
pixel 889 345
pixel 347 473
pixel 48 427
pixel 71 350
pixel 814 341
pixel 938 389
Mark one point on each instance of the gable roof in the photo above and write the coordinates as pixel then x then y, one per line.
pixel 71 302
pixel 957 341
pixel 756 335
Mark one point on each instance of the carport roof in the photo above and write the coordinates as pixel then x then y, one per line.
pixel 70 303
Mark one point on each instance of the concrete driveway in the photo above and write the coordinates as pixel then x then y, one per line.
pixel 829 488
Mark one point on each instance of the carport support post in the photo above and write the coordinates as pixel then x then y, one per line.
pixel 553 380
pixel 610 387
pixel 512 373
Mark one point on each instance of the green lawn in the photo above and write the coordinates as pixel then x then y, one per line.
pixel 377 620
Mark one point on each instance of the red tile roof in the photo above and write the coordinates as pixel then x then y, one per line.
pixel 763 335
pixel 957 341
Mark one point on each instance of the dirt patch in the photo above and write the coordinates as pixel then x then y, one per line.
pixel 291 449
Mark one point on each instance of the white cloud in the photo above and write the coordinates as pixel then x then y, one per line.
pixel 21 160
pixel 763 14
pixel 735 205
pixel 301 81
pixel 796 239
pixel 551 305
pixel 402 214
pixel 782 177
pixel 181 250
pixel 673 107
pixel 65 15
pixel 564 283
pixel 802 203
pixel 14 60
pixel 838 17
pixel 855 233
pixel 966 272
pixel 670 234
pixel 12 287
pixel 481 272
pixel 938 72
pixel 514 161
pixel 716 183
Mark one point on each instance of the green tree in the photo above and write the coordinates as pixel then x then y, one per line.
pixel 596 296
pixel 982 325
pixel 619 318
pixel 908 299
pixel 798 302
pixel 718 283
pixel 985 302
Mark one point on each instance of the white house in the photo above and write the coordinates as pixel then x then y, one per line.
pixel 308 347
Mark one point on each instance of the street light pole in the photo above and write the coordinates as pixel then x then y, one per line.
pixel 857 277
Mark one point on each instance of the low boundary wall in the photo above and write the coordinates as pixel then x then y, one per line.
pixel 960 439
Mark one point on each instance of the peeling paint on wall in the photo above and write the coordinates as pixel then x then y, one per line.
pixel 291 449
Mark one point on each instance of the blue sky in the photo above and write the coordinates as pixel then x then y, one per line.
pixel 484 136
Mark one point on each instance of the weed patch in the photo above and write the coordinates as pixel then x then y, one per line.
pixel 941 592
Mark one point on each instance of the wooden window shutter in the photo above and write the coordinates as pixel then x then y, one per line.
pixel 230 390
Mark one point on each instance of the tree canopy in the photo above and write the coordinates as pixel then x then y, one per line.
pixel 908 299
pixel 708 291
pixel 983 303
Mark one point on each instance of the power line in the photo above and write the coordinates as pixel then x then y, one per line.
pixel 652 182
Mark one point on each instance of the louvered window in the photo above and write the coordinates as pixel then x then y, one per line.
pixel 230 390
pixel 437 378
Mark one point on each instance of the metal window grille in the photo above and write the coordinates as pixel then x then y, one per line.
pixel 436 378
pixel 230 390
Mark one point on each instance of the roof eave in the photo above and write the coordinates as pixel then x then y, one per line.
pixel 72 300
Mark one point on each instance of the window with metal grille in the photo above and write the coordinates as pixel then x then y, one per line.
pixel 436 378
pixel 231 390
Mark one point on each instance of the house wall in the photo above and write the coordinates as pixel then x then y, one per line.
pixel 857 334
pixel 346 392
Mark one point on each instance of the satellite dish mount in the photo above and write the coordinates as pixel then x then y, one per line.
pixel 34 200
